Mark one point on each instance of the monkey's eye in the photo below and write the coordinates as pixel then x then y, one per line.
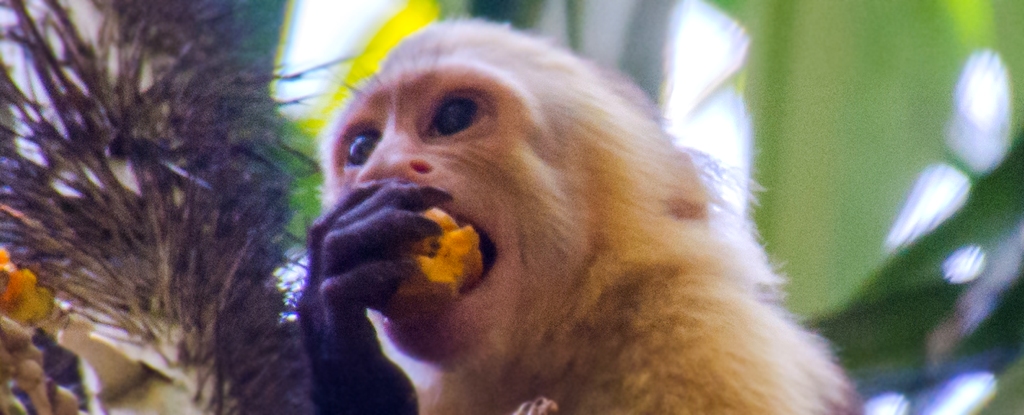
pixel 361 147
pixel 454 115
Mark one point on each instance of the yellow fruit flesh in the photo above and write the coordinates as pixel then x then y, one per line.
pixel 20 298
pixel 448 262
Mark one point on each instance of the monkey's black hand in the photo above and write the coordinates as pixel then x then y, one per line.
pixel 358 256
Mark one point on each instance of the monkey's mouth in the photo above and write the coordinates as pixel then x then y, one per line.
pixel 488 251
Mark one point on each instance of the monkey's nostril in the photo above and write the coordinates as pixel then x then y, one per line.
pixel 420 166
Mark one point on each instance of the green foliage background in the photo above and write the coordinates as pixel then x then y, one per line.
pixel 851 100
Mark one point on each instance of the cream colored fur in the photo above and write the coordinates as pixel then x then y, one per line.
pixel 638 293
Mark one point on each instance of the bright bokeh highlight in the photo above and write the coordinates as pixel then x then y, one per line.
pixel 964 264
pixel 702 110
pixel 979 131
pixel 938 192
pixel 887 404
pixel 963 395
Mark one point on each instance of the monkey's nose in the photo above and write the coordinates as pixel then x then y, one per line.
pixel 400 165
pixel 420 166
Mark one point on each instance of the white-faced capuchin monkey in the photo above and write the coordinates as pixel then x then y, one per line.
pixel 614 279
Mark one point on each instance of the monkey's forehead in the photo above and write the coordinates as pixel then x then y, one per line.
pixel 483 39
pixel 522 61
pixel 481 45
pixel 466 55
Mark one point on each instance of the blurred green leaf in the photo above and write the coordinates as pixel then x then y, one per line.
pixel 883 334
pixel 1009 26
pixel 733 7
pixel 850 102
pixel 994 209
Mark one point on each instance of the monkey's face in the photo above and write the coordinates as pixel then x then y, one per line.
pixel 466 130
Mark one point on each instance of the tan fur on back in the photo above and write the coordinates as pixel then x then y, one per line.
pixel 667 315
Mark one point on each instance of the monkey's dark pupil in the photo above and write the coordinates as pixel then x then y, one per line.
pixel 361 148
pixel 455 115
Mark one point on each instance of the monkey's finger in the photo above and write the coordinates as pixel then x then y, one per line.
pixel 317 232
pixel 320 227
pixel 400 195
pixel 357 206
pixel 370 285
pixel 387 234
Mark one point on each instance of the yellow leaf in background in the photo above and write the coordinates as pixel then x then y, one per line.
pixel 415 15
pixel 21 299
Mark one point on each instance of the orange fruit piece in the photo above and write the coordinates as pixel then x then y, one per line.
pixel 447 263
pixel 21 299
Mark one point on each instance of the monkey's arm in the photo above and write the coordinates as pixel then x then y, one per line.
pixel 358 257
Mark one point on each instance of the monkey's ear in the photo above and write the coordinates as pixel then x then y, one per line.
pixel 690 196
